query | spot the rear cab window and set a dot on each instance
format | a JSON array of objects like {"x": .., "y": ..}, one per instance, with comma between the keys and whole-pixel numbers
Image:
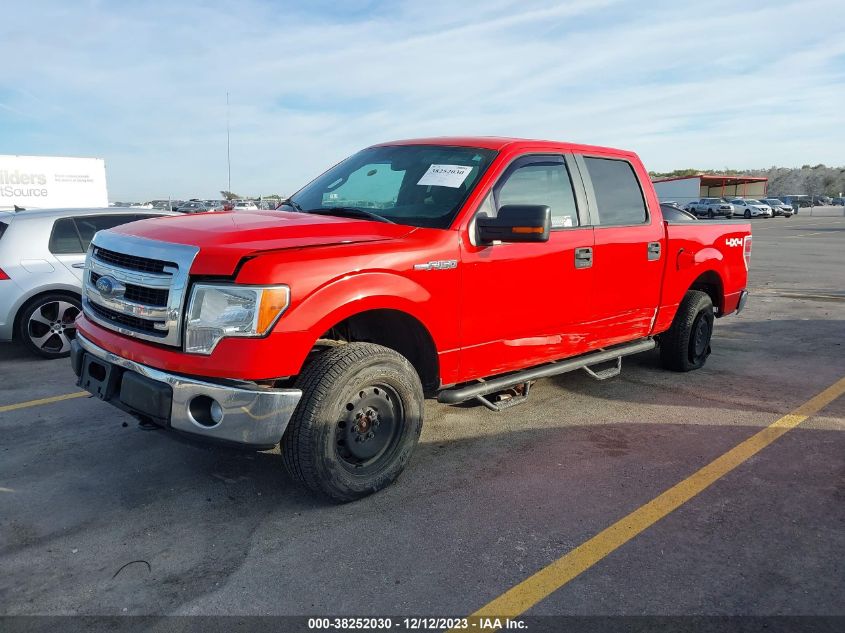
[{"x": 617, "y": 191}]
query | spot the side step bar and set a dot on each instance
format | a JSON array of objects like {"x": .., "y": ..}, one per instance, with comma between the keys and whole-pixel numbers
[{"x": 461, "y": 394}]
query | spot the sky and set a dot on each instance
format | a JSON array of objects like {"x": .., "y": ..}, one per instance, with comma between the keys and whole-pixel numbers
[{"x": 143, "y": 84}]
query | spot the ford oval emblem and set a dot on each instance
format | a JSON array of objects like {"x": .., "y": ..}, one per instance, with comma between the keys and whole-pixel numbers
[{"x": 108, "y": 286}]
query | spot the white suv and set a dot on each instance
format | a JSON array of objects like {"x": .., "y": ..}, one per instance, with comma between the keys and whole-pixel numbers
[
  {"x": 749, "y": 208},
  {"x": 42, "y": 256}
]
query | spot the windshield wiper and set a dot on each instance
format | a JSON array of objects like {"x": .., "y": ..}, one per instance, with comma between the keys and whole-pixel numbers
[
  {"x": 291, "y": 203},
  {"x": 353, "y": 211}
]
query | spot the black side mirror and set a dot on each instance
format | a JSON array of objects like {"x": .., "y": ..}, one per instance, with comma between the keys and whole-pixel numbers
[{"x": 516, "y": 223}]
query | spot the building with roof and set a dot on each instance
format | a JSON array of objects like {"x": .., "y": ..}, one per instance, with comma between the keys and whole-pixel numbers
[{"x": 683, "y": 189}]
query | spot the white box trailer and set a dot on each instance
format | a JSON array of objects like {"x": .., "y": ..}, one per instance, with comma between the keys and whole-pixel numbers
[{"x": 50, "y": 182}]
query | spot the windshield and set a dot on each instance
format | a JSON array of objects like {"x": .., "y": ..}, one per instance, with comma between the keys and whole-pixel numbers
[
  {"x": 753, "y": 201},
  {"x": 419, "y": 185}
]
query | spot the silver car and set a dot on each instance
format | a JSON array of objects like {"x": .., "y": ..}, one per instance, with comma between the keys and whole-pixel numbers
[{"x": 42, "y": 256}]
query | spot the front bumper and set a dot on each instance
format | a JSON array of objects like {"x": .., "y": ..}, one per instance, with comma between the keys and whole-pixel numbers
[{"x": 248, "y": 414}]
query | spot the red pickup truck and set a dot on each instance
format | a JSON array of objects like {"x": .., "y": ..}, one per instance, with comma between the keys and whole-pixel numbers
[{"x": 461, "y": 268}]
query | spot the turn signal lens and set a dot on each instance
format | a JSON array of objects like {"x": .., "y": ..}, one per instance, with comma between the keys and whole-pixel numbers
[
  {"x": 527, "y": 229},
  {"x": 273, "y": 302}
]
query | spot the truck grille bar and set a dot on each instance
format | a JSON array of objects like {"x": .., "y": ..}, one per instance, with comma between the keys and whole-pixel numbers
[{"x": 137, "y": 286}]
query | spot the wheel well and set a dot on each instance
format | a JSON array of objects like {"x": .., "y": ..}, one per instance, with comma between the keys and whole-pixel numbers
[
  {"x": 711, "y": 283},
  {"x": 25, "y": 305},
  {"x": 400, "y": 332}
]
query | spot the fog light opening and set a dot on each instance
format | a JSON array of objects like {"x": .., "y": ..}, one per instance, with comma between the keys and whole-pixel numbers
[{"x": 205, "y": 411}]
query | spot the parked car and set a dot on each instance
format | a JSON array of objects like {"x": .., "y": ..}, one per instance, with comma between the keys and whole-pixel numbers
[
  {"x": 214, "y": 205},
  {"x": 676, "y": 213},
  {"x": 839, "y": 202},
  {"x": 42, "y": 254},
  {"x": 750, "y": 208},
  {"x": 321, "y": 326},
  {"x": 779, "y": 207},
  {"x": 711, "y": 207},
  {"x": 193, "y": 206},
  {"x": 245, "y": 205}
]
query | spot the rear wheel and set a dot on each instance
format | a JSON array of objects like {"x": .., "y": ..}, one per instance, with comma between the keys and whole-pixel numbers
[
  {"x": 686, "y": 345},
  {"x": 47, "y": 324},
  {"x": 358, "y": 421}
]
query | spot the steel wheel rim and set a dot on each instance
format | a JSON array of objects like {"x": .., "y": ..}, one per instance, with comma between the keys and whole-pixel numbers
[
  {"x": 51, "y": 326},
  {"x": 701, "y": 337},
  {"x": 369, "y": 428}
]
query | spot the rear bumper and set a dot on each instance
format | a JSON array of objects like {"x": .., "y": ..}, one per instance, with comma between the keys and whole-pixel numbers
[{"x": 248, "y": 415}]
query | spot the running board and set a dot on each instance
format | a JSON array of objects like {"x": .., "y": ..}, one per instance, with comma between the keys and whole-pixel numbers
[{"x": 480, "y": 389}]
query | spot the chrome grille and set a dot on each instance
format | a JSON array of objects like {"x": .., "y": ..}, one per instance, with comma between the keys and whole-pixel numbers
[
  {"x": 140, "y": 294},
  {"x": 146, "y": 284},
  {"x": 131, "y": 262}
]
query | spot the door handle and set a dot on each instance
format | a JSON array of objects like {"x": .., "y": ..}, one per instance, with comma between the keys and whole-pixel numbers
[
  {"x": 583, "y": 257},
  {"x": 653, "y": 251},
  {"x": 78, "y": 265}
]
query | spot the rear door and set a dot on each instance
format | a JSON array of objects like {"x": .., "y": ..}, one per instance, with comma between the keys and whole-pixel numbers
[
  {"x": 527, "y": 303},
  {"x": 629, "y": 250}
]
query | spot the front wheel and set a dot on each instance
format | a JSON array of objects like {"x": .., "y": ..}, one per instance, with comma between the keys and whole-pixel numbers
[
  {"x": 747, "y": 214},
  {"x": 359, "y": 419},
  {"x": 686, "y": 345},
  {"x": 47, "y": 324},
  {"x": 710, "y": 214}
]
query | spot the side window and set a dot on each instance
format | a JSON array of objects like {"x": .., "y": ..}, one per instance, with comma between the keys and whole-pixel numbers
[
  {"x": 88, "y": 225},
  {"x": 618, "y": 194},
  {"x": 64, "y": 240},
  {"x": 542, "y": 183}
]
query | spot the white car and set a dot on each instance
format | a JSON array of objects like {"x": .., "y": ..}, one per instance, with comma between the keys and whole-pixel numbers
[
  {"x": 42, "y": 257},
  {"x": 750, "y": 208},
  {"x": 245, "y": 206}
]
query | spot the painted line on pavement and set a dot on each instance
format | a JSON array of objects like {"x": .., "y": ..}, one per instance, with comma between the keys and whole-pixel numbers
[
  {"x": 40, "y": 401},
  {"x": 517, "y": 600}
]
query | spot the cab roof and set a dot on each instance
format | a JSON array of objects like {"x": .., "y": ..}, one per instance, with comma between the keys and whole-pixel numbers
[{"x": 500, "y": 143}]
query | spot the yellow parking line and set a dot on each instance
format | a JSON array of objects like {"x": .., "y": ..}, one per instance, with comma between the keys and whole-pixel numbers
[
  {"x": 40, "y": 401},
  {"x": 542, "y": 584}
]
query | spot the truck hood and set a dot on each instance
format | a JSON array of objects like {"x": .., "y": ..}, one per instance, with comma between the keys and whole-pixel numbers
[{"x": 226, "y": 238}]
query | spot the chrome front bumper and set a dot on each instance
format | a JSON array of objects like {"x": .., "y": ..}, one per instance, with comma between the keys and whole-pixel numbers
[{"x": 251, "y": 415}]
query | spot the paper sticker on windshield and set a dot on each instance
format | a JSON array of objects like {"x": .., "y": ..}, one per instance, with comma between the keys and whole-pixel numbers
[
  {"x": 445, "y": 175},
  {"x": 567, "y": 220}
]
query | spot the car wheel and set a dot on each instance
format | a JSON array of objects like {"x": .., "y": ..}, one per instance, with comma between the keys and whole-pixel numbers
[
  {"x": 686, "y": 345},
  {"x": 47, "y": 324},
  {"x": 710, "y": 214},
  {"x": 747, "y": 214},
  {"x": 357, "y": 423}
]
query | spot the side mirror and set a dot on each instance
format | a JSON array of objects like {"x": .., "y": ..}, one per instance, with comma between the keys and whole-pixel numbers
[{"x": 516, "y": 223}]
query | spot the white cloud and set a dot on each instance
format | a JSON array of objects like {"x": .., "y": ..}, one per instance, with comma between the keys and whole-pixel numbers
[{"x": 143, "y": 84}]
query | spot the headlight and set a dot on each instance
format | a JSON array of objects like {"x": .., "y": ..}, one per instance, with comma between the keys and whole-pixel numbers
[{"x": 216, "y": 312}]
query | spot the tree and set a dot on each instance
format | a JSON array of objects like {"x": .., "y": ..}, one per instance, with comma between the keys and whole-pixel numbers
[{"x": 228, "y": 195}]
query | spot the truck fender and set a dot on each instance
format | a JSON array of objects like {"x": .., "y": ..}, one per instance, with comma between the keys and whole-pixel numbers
[
  {"x": 691, "y": 259},
  {"x": 350, "y": 295}
]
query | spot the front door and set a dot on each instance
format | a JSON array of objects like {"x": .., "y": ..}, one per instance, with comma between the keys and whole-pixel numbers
[{"x": 528, "y": 303}]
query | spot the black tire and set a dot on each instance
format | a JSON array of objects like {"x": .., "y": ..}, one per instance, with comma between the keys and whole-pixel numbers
[
  {"x": 46, "y": 324},
  {"x": 686, "y": 345},
  {"x": 334, "y": 443},
  {"x": 710, "y": 214},
  {"x": 747, "y": 214}
]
